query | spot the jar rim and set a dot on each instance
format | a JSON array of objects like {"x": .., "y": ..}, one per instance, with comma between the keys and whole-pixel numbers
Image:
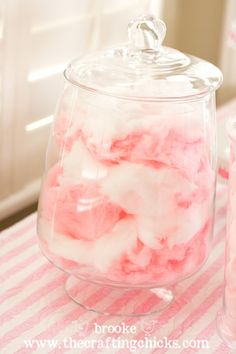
[{"x": 191, "y": 97}]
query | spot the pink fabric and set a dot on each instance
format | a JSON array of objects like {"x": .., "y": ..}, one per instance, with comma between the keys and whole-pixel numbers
[
  {"x": 33, "y": 304},
  {"x": 230, "y": 261}
]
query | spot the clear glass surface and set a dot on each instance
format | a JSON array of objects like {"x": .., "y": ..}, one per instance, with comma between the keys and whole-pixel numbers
[
  {"x": 227, "y": 318},
  {"x": 127, "y": 197},
  {"x": 128, "y": 193},
  {"x": 143, "y": 68}
]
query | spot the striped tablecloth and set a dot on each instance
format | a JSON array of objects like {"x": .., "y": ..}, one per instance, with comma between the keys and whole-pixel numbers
[{"x": 34, "y": 305}]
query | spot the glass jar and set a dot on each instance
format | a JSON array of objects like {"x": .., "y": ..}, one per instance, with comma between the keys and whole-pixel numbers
[
  {"x": 226, "y": 319},
  {"x": 127, "y": 198}
]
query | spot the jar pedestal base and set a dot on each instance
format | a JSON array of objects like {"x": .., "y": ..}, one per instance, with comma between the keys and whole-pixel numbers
[
  {"x": 117, "y": 301},
  {"x": 228, "y": 338}
]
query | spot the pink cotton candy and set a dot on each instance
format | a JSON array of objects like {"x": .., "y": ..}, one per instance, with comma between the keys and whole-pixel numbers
[
  {"x": 155, "y": 142},
  {"x": 79, "y": 211},
  {"x": 99, "y": 253},
  {"x": 174, "y": 150},
  {"x": 52, "y": 176},
  {"x": 137, "y": 263},
  {"x": 158, "y": 144},
  {"x": 65, "y": 132},
  {"x": 130, "y": 202},
  {"x": 163, "y": 265}
]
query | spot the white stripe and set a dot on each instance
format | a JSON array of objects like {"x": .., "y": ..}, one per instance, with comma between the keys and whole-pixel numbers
[
  {"x": 112, "y": 321},
  {"x": 46, "y": 322},
  {"x": 15, "y": 260},
  {"x": 215, "y": 342},
  {"x": 42, "y": 324},
  {"x": 33, "y": 250},
  {"x": 33, "y": 309},
  {"x": 189, "y": 307},
  {"x": 168, "y": 328},
  {"x": 86, "y": 318},
  {"x": 69, "y": 306},
  {"x": 171, "y": 324},
  {"x": 201, "y": 324},
  {"x": 27, "y": 289},
  {"x": 11, "y": 247}
]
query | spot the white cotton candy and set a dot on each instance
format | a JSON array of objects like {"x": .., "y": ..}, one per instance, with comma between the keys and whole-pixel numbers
[
  {"x": 79, "y": 165},
  {"x": 100, "y": 253},
  {"x": 114, "y": 244},
  {"x": 178, "y": 227},
  {"x": 143, "y": 190},
  {"x": 103, "y": 127},
  {"x": 106, "y": 119}
]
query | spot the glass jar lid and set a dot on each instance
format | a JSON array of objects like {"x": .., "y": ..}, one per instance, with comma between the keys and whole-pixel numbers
[{"x": 144, "y": 69}]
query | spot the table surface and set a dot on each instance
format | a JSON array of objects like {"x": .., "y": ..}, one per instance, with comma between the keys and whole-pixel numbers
[{"x": 34, "y": 305}]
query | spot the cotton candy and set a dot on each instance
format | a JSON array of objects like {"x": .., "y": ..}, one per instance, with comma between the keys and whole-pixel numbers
[
  {"x": 130, "y": 199},
  {"x": 100, "y": 253}
]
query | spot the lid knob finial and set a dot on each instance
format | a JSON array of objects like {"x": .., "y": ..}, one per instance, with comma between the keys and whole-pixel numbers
[{"x": 146, "y": 33}]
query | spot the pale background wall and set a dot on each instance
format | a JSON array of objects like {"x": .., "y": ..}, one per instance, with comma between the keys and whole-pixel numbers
[
  {"x": 201, "y": 28},
  {"x": 198, "y": 26}
]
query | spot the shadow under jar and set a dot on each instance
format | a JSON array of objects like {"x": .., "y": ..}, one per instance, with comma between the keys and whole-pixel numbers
[{"x": 127, "y": 199}]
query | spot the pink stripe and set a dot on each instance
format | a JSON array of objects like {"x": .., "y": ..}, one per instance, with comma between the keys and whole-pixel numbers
[
  {"x": 32, "y": 321},
  {"x": 54, "y": 329},
  {"x": 219, "y": 237},
  {"x": 71, "y": 314},
  {"x": 20, "y": 266},
  {"x": 35, "y": 275},
  {"x": 147, "y": 305},
  {"x": 195, "y": 315},
  {"x": 221, "y": 212},
  {"x": 49, "y": 331},
  {"x": 185, "y": 297},
  {"x": 206, "y": 333},
  {"x": 188, "y": 294},
  {"x": 18, "y": 250},
  {"x": 118, "y": 304},
  {"x": 150, "y": 304},
  {"x": 6, "y": 239},
  {"x": 223, "y": 349},
  {"x": 30, "y": 300},
  {"x": 210, "y": 271}
]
